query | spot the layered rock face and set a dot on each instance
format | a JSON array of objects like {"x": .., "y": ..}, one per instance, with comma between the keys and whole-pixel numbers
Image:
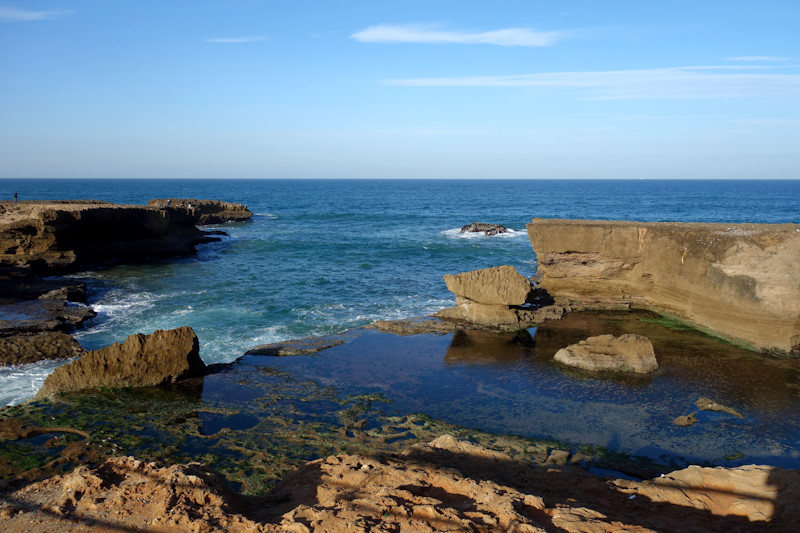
[
  {"x": 205, "y": 211},
  {"x": 52, "y": 236},
  {"x": 607, "y": 353},
  {"x": 164, "y": 356},
  {"x": 739, "y": 280}
]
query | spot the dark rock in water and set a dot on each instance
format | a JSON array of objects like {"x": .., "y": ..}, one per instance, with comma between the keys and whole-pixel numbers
[
  {"x": 486, "y": 229},
  {"x": 306, "y": 346},
  {"x": 164, "y": 356},
  {"x": 205, "y": 212},
  {"x": 25, "y": 349},
  {"x": 33, "y": 316},
  {"x": 21, "y": 284}
]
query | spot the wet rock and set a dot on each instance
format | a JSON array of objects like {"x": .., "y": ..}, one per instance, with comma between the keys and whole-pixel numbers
[
  {"x": 205, "y": 212},
  {"x": 164, "y": 356},
  {"x": 305, "y": 346},
  {"x": 25, "y": 349},
  {"x": 557, "y": 457},
  {"x": 486, "y": 229},
  {"x": 626, "y": 353},
  {"x": 34, "y": 316},
  {"x": 686, "y": 420},
  {"x": 710, "y": 405},
  {"x": 414, "y": 326}
]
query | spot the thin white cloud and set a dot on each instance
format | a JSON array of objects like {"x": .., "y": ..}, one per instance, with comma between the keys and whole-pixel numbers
[
  {"x": 13, "y": 14},
  {"x": 757, "y": 58},
  {"x": 661, "y": 83},
  {"x": 426, "y": 34},
  {"x": 237, "y": 40}
]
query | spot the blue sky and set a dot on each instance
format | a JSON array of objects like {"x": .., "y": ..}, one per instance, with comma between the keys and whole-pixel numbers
[{"x": 399, "y": 89}]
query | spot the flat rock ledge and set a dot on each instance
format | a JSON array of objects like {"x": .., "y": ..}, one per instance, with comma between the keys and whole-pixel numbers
[
  {"x": 205, "y": 212},
  {"x": 499, "y": 297},
  {"x": 740, "y": 281},
  {"x": 444, "y": 485},
  {"x": 164, "y": 356},
  {"x": 607, "y": 353}
]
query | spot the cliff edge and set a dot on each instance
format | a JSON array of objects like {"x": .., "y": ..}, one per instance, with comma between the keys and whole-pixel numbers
[{"x": 738, "y": 280}]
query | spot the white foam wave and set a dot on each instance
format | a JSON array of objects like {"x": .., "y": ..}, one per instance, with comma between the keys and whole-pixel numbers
[
  {"x": 455, "y": 233},
  {"x": 21, "y": 382}
]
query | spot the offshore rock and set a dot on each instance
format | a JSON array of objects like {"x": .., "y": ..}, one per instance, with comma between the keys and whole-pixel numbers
[
  {"x": 739, "y": 280},
  {"x": 164, "y": 356},
  {"x": 486, "y": 229},
  {"x": 607, "y": 353},
  {"x": 205, "y": 212},
  {"x": 64, "y": 235}
]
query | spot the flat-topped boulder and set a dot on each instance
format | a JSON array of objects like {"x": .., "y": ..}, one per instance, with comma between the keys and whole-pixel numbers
[
  {"x": 500, "y": 285},
  {"x": 164, "y": 356},
  {"x": 205, "y": 212},
  {"x": 64, "y": 235},
  {"x": 609, "y": 353},
  {"x": 25, "y": 349},
  {"x": 739, "y": 280}
]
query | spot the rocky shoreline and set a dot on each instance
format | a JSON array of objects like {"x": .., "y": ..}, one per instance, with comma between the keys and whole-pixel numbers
[{"x": 446, "y": 484}]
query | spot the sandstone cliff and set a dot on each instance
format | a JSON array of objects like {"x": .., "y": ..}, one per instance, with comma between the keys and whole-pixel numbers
[
  {"x": 52, "y": 236},
  {"x": 205, "y": 211},
  {"x": 142, "y": 360},
  {"x": 739, "y": 280}
]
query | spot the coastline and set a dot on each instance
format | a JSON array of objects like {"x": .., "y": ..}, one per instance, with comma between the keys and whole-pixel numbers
[{"x": 346, "y": 429}]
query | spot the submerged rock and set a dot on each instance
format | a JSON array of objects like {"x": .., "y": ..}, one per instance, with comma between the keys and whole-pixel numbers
[
  {"x": 686, "y": 420},
  {"x": 626, "y": 353},
  {"x": 164, "y": 356},
  {"x": 486, "y": 229},
  {"x": 710, "y": 405}
]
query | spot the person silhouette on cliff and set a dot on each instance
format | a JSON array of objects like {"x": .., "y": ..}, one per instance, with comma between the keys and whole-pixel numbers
[{"x": 15, "y": 198}]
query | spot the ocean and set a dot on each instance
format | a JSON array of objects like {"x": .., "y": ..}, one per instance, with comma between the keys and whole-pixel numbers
[{"x": 323, "y": 256}]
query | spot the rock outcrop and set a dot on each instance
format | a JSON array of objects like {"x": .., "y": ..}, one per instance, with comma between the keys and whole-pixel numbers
[
  {"x": 486, "y": 229},
  {"x": 56, "y": 236},
  {"x": 25, "y": 349},
  {"x": 607, "y": 353},
  {"x": 739, "y": 280},
  {"x": 205, "y": 212},
  {"x": 498, "y": 297},
  {"x": 164, "y": 356},
  {"x": 444, "y": 485}
]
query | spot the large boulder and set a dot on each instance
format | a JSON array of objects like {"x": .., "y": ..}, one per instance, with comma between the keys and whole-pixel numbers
[
  {"x": 500, "y": 285},
  {"x": 604, "y": 353},
  {"x": 164, "y": 356},
  {"x": 487, "y": 229}
]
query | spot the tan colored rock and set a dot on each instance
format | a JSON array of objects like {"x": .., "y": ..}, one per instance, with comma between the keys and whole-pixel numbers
[
  {"x": 758, "y": 493},
  {"x": 164, "y": 356},
  {"x": 25, "y": 349},
  {"x": 501, "y": 285},
  {"x": 625, "y": 353},
  {"x": 739, "y": 280}
]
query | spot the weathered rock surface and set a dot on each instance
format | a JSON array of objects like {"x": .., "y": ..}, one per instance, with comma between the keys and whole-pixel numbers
[
  {"x": 54, "y": 236},
  {"x": 739, "y": 280},
  {"x": 499, "y": 297},
  {"x": 25, "y": 349},
  {"x": 445, "y": 485},
  {"x": 35, "y": 316},
  {"x": 205, "y": 211},
  {"x": 501, "y": 285},
  {"x": 486, "y": 229},
  {"x": 305, "y": 346},
  {"x": 164, "y": 356},
  {"x": 607, "y": 353}
]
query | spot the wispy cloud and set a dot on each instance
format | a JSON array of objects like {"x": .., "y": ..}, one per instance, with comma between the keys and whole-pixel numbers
[
  {"x": 757, "y": 58},
  {"x": 676, "y": 82},
  {"x": 428, "y": 34},
  {"x": 237, "y": 40},
  {"x": 13, "y": 14}
]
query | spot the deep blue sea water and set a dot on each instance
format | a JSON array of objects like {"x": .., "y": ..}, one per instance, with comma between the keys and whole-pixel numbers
[{"x": 323, "y": 256}]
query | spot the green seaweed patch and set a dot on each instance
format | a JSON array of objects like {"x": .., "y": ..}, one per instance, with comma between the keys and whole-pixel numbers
[{"x": 675, "y": 323}]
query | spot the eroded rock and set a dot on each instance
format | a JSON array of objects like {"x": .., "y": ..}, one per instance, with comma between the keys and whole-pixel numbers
[
  {"x": 25, "y": 349},
  {"x": 604, "y": 353},
  {"x": 164, "y": 356},
  {"x": 500, "y": 285},
  {"x": 739, "y": 280},
  {"x": 487, "y": 229},
  {"x": 205, "y": 212}
]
